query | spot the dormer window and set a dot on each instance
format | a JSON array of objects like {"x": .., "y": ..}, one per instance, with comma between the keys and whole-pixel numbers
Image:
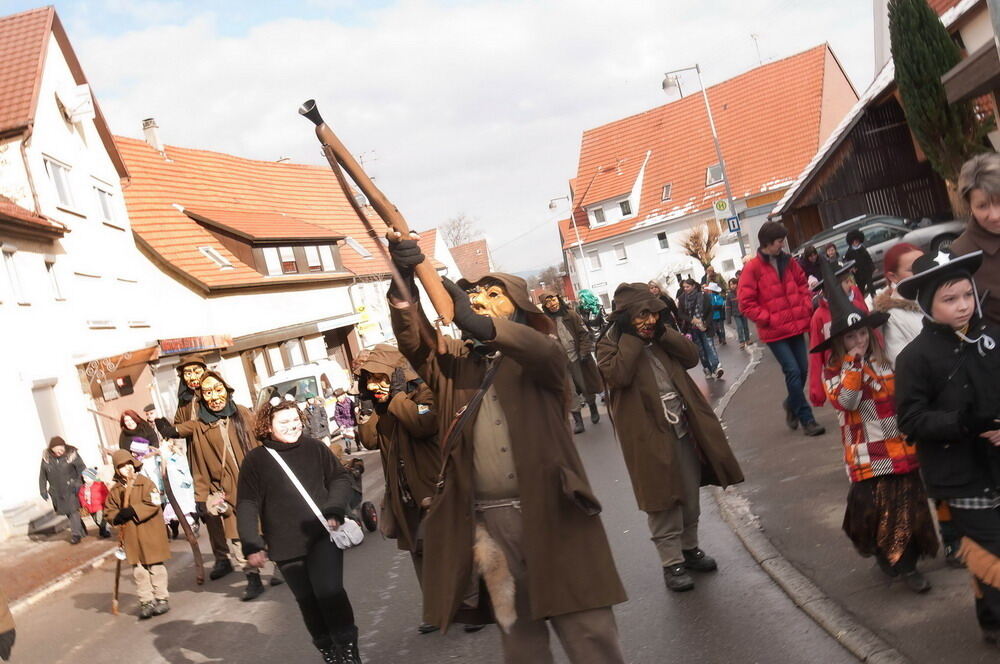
[
  {"x": 598, "y": 215},
  {"x": 626, "y": 207},
  {"x": 667, "y": 191},
  {"x": 713, "y": 175}
]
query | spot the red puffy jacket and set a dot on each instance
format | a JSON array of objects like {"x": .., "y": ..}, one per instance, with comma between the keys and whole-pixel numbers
[
  {"x": 781, "y": 306},
  {"x": 93, "y": 500}
]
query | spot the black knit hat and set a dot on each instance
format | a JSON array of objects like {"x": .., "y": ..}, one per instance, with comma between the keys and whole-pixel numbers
[
  {"x": 929, "y": 272},
  {"x": 844, "y": 316}
]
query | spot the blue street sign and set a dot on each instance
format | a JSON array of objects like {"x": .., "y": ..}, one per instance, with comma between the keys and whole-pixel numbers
[{"x": 734, "y": 224}]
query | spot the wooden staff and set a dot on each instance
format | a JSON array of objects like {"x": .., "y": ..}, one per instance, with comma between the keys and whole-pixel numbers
[
  {"x": 126, "y": 500},
  {"x": 199, "y": 561},
  {"x": 339, "y": 156}
]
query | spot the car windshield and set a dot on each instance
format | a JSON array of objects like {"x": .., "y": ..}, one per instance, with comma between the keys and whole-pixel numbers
[
  {"x": 838, "y": 236},
  {"x": 298, "y": 388}
]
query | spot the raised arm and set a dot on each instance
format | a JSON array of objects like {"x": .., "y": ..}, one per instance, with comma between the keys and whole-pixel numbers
[
  {"x": 618, "y": 357},
  {"x": 539, "y": 355},
  {"x": 845, "y": 388},
  {"x": 407, "y": 409},
  {"x": 679, "y": 347}
]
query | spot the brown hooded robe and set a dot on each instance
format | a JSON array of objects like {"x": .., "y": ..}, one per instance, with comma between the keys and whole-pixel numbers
[
  {"x": 584, "y": 345},
  {"x": 144, "y": 536}
]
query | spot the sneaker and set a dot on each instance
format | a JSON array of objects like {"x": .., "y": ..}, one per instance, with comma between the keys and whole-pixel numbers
[
  {"x": 718, "y": 373},
  {"x": 677, "y": 578},
  {"x": 220, "y": 569},
  {"x": 145, "y": 610},
  {"x": 161, "y": 607},
  {"x": 791, "y": 419},
  {"x": 696, "y": 560},
  {"x": 813, "y": 429}
]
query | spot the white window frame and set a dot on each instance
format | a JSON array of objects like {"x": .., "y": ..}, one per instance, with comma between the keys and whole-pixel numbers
[
  {"x": 50, "y": 267},
  {"x": 667, "y": 192},
  {"x": 594, "y": 260},
  {"x": 213, "y": 254},
  {"x": 709, "y": 182},
  {"x": 59, "y": 176},
  {"x": 326, "y": 257},
  {"x": 664, "y": 242},
  {"x": 313, "y": 259},
  {"x": 272, "y": 262},
  {"x": 621, "y": 253},
  {"x": 626, "y": 207},
  {"x": 283, "y": 253},
  {"x": 105, "y": 204},
  {"x": 598, "y": 214},
  {"x": 13, "y": 278}
]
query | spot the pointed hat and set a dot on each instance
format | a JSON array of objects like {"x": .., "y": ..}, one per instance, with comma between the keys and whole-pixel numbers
[{"x": 844, "y": 316}]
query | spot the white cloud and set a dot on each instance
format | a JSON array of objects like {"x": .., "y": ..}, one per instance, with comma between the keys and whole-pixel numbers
[{"x": 474, "y": 108}]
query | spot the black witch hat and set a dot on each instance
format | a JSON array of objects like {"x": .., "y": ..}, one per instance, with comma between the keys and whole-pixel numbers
[{"x": 844, "y": 316}]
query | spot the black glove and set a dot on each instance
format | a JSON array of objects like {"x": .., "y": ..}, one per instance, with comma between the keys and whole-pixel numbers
[
  {"x": 201, "y": 509},
  {"x": 476, "y": 326},
  {"x": 397, "y": 383},
  {"x": 406, "y": 256},
  {"x": 124, "y": 516},
  {"x": 6, "y": 644}
]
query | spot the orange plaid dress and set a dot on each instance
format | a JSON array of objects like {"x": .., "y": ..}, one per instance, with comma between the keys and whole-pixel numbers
[{"x": 862, "y": 393}]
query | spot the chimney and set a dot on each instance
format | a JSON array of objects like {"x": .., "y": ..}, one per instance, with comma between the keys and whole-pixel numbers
[{"x": 150, "y": 130}]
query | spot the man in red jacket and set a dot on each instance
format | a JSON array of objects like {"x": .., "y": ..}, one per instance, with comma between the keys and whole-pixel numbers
[{"x": 773, "y": 294}]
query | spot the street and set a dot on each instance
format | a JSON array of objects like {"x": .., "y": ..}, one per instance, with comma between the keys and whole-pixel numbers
[{"x": 737, "y": 614}]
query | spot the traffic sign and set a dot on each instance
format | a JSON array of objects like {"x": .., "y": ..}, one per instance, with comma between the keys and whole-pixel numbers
[
  {"x": 734, "y": 224},
  {"x": 721, "y": 209}
]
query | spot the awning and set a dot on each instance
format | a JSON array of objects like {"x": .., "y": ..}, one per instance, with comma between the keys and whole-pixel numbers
[
  {"x": 975, "y": 76},
  {"x": 280, "y": 334}
]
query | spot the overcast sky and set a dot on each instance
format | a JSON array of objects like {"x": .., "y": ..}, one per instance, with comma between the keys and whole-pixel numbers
[{"x": 455, "y": 106}]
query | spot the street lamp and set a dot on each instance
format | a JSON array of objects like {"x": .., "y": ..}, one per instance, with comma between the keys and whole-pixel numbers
[
  {"x": 576, "y": 231},
  {"x": 670, "y": 81}
]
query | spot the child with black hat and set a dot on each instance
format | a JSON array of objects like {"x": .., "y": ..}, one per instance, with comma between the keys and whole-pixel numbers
[
  {"x": 887, "y": 515},
  {"x": 948, "y": 401}
]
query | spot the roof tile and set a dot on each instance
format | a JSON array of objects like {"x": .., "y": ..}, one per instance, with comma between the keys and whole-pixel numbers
[{"x": 22, "y": 48}]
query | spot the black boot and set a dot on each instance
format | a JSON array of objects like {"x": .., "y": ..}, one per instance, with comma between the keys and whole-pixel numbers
[
  {"x": 577, "y": 422},
  {"x": 427, "y": 628},
  {"x": 695, "y": 559},
  {"x": 254, "y": 587},
  {"x": 677, "y": 578},
  {"x": 220, "y": 569},
  {"x": 349, "y": 651},
  {"x": 104, "y": 532},
  {"x": 791, "y": 419},
  {"x": 175, "y": 526},
  {"x": 595, "y": 417}
]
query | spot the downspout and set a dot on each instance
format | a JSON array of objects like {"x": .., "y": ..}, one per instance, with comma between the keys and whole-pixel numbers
[{"x": 27, "y": 168}]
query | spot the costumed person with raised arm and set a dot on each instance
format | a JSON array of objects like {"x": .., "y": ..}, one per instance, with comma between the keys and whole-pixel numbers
[
  {"x": 218, "y": 440},
  {"x": 672, "y": 441},
  {"x": 579, "y": 347},
  {"x": 948, "y": 399},
  {"x": 402, "y": 426},
  {"x": 887, "y": 513},
  {"x": 513, "y": 508}
]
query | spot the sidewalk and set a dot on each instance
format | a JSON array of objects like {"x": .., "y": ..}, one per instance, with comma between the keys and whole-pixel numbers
[
  {"x": 797, "y": 487},
  {"x": 31, "y": 564}
]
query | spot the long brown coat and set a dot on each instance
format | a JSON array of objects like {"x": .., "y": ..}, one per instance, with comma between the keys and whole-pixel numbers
[
  {"x": 145, "y": 536},
  {"x": 987, "y": 277},
  {"x": 645, "y": 435},
  {"x": 406, "y": 439},
  {"x": 569, "y": 562},
  {"x": 584, "y": 348}
]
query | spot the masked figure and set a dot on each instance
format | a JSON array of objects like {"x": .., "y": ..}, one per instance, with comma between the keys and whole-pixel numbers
[
  {"x": 218, "y": 439},
  {"x": 578, "y": 345},
  {"x": 399, "y": 421},
  {"x": 513, "y": 509},
  {"x": 190, "y": 370}
]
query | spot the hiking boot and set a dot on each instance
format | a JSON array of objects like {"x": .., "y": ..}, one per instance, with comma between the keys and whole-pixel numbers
[
  {"x": 791, "y": 419},
  {"x": 349, "y": 652},
  {"x": 427, "y": 628},
  {"x": 254, "y": 587},
  {"x": 145, "y": 610},
  {"x": 577, "y": 422},
  {"x": 220, "y": 569},
  {"x": 104, "y": 532},
  {"x": 161, "y": 607},
  {"x": 696, "y": 560},
  {"x": 595, "y": 417},
  {"x": 916, "y": 582},
  {"x": 813, "y": 429},
  {"x": 677, "y": 578},
  {"x": 331, "y": 655}
]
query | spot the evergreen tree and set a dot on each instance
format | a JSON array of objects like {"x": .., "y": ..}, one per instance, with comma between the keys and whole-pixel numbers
[{"x": 923, "y": 51}]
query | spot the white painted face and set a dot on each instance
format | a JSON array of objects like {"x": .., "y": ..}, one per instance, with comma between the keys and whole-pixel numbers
[{"x": 286, "y": 425}]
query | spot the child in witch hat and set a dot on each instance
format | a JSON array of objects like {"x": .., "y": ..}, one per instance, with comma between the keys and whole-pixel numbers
[
  {"x": 887, "y": 514},
  {"x": 949, "y": 401},
  {"x": 134, "y": 505}
]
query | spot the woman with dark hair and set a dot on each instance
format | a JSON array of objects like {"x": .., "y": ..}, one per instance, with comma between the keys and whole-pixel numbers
[
  {"x": 59, "y": 478},
  {"x": 831, "y": 254},
  {"x": 135, "y": 426},
  {"x": 810, "y": 262},
  {"x": 276, "y": 522},
  {"x": 696, "y": 320}
]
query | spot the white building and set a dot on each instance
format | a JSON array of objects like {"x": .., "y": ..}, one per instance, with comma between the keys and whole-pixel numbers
[{"x": 644, "y": 182}]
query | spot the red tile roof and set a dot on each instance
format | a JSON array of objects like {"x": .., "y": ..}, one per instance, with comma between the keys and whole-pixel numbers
[
  {"x": 768, "y": 120},
  {"x": 262, "y": 225},
  {"x": 12, "y": 213},
  {"x": 941, "y": 6},
  {"x": 232, "y": 187},
  {"x": 472, "y": 259}
]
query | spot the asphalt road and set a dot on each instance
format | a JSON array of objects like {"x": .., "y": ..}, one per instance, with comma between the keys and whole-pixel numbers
[{"x": 734, "y": 615}]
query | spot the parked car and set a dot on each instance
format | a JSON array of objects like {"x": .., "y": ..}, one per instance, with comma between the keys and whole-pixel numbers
[{"x": 882, "y": 232}]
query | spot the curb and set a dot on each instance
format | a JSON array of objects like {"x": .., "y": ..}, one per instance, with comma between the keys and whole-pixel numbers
[
  {"x": 737, "y": 512},
  {"x": 59, "y": 582}
]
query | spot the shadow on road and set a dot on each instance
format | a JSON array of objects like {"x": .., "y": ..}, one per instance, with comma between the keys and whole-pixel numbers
[{"x": 173, "y": 638}]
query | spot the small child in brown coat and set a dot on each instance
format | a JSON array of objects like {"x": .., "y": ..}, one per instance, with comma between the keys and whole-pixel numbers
[{"x": 134, "y": 505}]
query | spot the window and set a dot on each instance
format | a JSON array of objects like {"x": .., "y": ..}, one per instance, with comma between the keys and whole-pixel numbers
[
  {"x": 12, "y": 276},
  {"x": 713, "y": 175},
  {"x": 667, "y": 189},
  {"x": 326, "y": 256},
  {"x": 620, "y": 252},
  {"x": 212, "y": 254},
  {"x": 104, "y": 204},
  {"x": 605, "y": 300},
  {"x": 271, "y": 261},
  {"x": 626, "y": 208},
  {"x": 358, "y": 247},
  {"x": 288, "y": 264},
  {"x": 59, "y": 175},
  {"x": 598, "y": 215},
  {"x": 313, "y": 261},
  {"x": 662, "y": 239},
  {"x": 50, "y": 267},
  {"x": 595, "y": 260}
]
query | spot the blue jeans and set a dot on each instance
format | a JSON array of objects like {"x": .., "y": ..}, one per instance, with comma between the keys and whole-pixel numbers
[
  {"x": 742, "y": 328},
  {"x": 706, "y": 348},
  {"x": 791, "y": 355}
]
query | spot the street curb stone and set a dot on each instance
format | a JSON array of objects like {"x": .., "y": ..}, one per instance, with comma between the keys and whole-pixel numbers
[
  {"x": 59, "y": 582},
  {"x": 737, "y": 512}
]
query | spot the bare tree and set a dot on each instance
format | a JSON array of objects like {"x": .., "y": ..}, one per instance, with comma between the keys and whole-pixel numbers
[
  {"x": 460, "y": 229},
  {"x": 700, "y": 243},
  {"x": 550, "y": 279}
]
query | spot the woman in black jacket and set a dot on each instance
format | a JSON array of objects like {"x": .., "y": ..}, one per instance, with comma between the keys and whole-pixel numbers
[
  {"x": 59, "y": 478},
  {"x": 135, "y": 426},
  {"x": 948, "y": 403},
  {"x": 289, "y": 531}
]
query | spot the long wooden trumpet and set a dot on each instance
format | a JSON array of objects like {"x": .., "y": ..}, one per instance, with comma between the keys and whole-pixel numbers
[{"x": 339, "y": 157}]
